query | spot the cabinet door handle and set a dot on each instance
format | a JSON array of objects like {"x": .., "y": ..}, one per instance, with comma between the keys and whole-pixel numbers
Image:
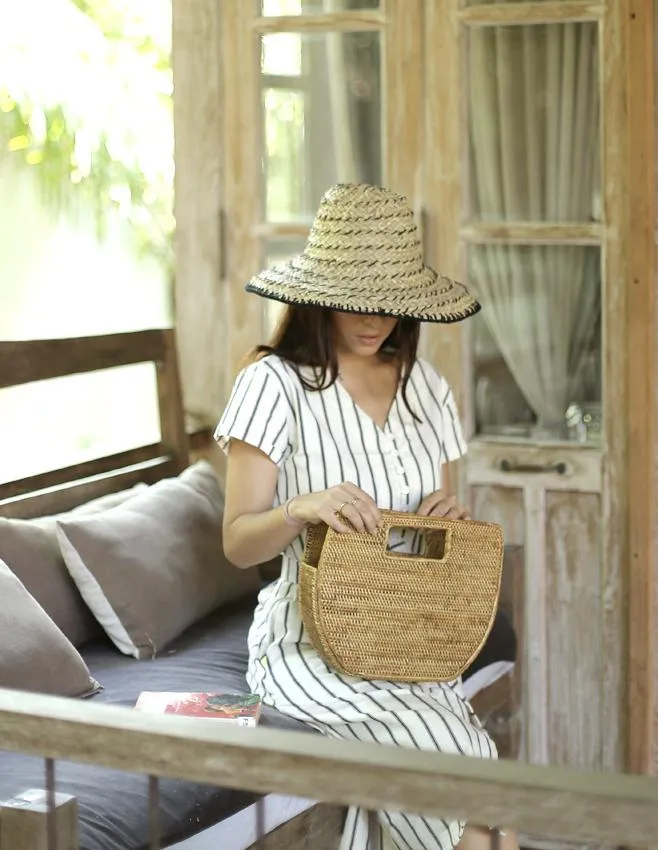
[{"x": 533, "y": 468}]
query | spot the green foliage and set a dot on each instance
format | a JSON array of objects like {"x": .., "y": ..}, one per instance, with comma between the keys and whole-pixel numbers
[{"x": 81, "y": 163}]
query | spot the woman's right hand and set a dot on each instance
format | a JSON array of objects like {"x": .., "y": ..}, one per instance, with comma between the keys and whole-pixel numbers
[{"x": 334, "y": 506}]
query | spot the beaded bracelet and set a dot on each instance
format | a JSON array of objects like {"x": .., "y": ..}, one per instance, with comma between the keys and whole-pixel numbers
[{"x": 294, "y": 523}]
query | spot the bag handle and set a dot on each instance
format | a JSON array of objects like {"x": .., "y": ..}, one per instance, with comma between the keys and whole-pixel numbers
[{"x": 399, "y": 519}]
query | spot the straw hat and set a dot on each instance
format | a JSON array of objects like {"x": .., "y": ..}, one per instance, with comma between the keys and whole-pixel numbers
[{"x": 363, "y": 255}]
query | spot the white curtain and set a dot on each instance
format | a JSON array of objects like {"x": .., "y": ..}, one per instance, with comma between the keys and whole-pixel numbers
[{"x": 534, "y": 107}]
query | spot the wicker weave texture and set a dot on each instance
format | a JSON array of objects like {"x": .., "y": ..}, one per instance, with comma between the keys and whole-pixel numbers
[
  {"x": 376, "y": 614},
  {"x": 364, "y": 255}
]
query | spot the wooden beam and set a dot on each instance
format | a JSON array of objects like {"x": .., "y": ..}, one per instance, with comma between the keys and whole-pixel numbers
[
  {"x": 173, "y": 434},
  {"x": 517, "y": 14},
  {"x": 402, "y": 99},
  {"x": 350, "y": 21},
  {"x": 284, "y": 230},
  {"x": 532, "y": 233},
  {"x": 605, "y": 808},
  {"x": 641, "y": 380},
  {"x": 78, "y": 471},
  {"x": 57, "y": 499},
  {"x": 243, "y": 184},
  {"x": 25, "y": 361},
  {"x": 615, "y": 342},
  {"x": 445, "y": 166},
  {"x": 199, "y": 252}
]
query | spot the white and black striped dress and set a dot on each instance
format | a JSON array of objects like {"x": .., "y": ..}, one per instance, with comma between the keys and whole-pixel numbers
[{"x": 318, "y": 440}]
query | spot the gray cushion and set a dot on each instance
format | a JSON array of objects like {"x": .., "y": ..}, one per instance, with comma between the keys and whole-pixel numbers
[
  {"x": 31, "y": 551},
  {"x": 153, "y": 566},
  {"x": 113, "y": 805},
  {"x": 34, "y": 654}
]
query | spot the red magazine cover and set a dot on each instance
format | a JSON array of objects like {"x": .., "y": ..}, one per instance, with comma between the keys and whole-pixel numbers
[{"x": 239, "y": 709}]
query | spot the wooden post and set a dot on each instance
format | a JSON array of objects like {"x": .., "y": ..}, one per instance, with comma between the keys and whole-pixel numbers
[
  {"x": 640, "y": 378},
  {"x": 24, "y": 821}
]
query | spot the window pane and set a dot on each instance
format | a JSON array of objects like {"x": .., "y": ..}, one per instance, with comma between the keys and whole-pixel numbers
[
  {"x": 313, "y": 7},
  {"x": 278, "y": 251},
  {"x": 282, "y": 56},
  {"x": 323, "y": 127},
  {"x": 56, "y": 423},
  {"x": 534, "y": 123},
  {"x": 285, "y": 154},
  {"x": 537, "y": 341}
]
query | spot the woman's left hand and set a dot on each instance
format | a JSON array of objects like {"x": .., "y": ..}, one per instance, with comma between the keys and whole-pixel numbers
[{"x": 441, "y": 504}]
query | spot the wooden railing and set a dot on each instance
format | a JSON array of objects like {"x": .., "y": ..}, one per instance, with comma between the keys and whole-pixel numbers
[{"x": 558, "y": 803}]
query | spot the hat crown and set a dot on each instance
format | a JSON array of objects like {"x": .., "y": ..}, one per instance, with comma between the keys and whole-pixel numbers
[
  {"x": 364, "y": 255},
  {"x": 368, "y": 233}
]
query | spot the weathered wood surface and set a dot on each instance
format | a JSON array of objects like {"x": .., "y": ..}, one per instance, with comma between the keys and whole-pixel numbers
[
  {"x": 58, "y": 499},
  {"x": 641, "y": 379},
  {"x": 25, "y": 361},
  {"x": 558, "y": 11},
  {"x": 318, "y": 828},
  {"x": 532, "y": 232},
  {"x": 199, "y": 252},
  {"x": 608, "y": 808},
  {"x": 24, "y": 821},
  {"x": 347, "y": 21},
  {"x": 572, "y": 644},
  {"x": 615, "y": 565}
]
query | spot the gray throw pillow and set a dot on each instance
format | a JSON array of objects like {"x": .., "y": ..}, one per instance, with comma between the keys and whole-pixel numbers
[
  {"x": 155, "y": 565},
  {"x": 30, "y": 549},
  {"x": 34, "y": 654}
]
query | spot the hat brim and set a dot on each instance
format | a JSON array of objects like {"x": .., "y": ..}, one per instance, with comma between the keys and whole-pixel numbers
[{"x": 428, "y": 297}]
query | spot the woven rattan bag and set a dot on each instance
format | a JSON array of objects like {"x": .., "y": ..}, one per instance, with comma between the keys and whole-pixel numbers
[{"x": 377, "y": 614}]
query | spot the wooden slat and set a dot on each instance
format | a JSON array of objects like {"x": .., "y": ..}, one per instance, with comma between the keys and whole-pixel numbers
[
  {"x": 611, "y": 809},
  {"x": 283, "y": 230},
  {"x": 573, "y": 629},
  {"x": 68, "y": 496},
  {"x": 79, "y": 471},
  {"x": 532, "y": 233},
  {"x": 445, "y": 167},
  {"x": 25, "y": 361},
  {"x": 515, "y": 14},
  {"x": 641, "y": 379},
  {"x": 243, "y": 184},
  {"x": 350, "y": 21},
  {"x": 614, "y": 492},
  {"x": 199, "y": 252},
  {"x": 173, "y": 434},
  {"x": 402, "y": 99}
]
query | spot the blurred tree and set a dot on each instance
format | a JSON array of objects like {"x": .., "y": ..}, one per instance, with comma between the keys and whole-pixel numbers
[{"x": 86, "y": 107}]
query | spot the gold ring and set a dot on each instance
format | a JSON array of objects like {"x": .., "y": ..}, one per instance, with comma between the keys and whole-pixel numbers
[
  {"x": 354, "y": 500},
  {"x": 340, "y": 509}
]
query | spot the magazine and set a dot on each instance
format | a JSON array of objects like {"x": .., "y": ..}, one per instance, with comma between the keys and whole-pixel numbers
[{"x": 238, "y": 709}]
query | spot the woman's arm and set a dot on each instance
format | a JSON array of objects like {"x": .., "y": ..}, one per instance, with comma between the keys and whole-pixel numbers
[{"x": 254, "y": 532}]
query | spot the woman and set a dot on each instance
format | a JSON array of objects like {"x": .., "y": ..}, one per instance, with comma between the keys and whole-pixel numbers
[{"x": 333, "y": 421}]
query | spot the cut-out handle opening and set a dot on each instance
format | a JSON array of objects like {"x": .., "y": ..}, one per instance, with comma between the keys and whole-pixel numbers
[{"x": 403, "y": 541}]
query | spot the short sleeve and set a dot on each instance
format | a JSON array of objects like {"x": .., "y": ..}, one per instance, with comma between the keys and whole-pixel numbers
[
  {"x": 454, "y": 442},
  {"x": 258, "y": 412}
]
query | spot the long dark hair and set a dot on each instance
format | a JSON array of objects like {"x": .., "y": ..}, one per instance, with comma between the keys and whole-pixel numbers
[{"x": 304, "y": 337}]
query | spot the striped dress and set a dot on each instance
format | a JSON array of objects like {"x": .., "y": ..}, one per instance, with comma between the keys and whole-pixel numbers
[{"x": 318, "y": 440}]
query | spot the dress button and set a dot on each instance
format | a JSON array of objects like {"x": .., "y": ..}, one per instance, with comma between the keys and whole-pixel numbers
[{"x": 404, "y": 490}]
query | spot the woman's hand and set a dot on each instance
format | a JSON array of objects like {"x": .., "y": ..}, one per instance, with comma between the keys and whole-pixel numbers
[
  {"x": 334, "y": 506},
  {"x": 440, "y": 504}
]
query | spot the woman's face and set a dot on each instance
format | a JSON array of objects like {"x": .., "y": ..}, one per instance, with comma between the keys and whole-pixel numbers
[{"x": 359, "y": 334}]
